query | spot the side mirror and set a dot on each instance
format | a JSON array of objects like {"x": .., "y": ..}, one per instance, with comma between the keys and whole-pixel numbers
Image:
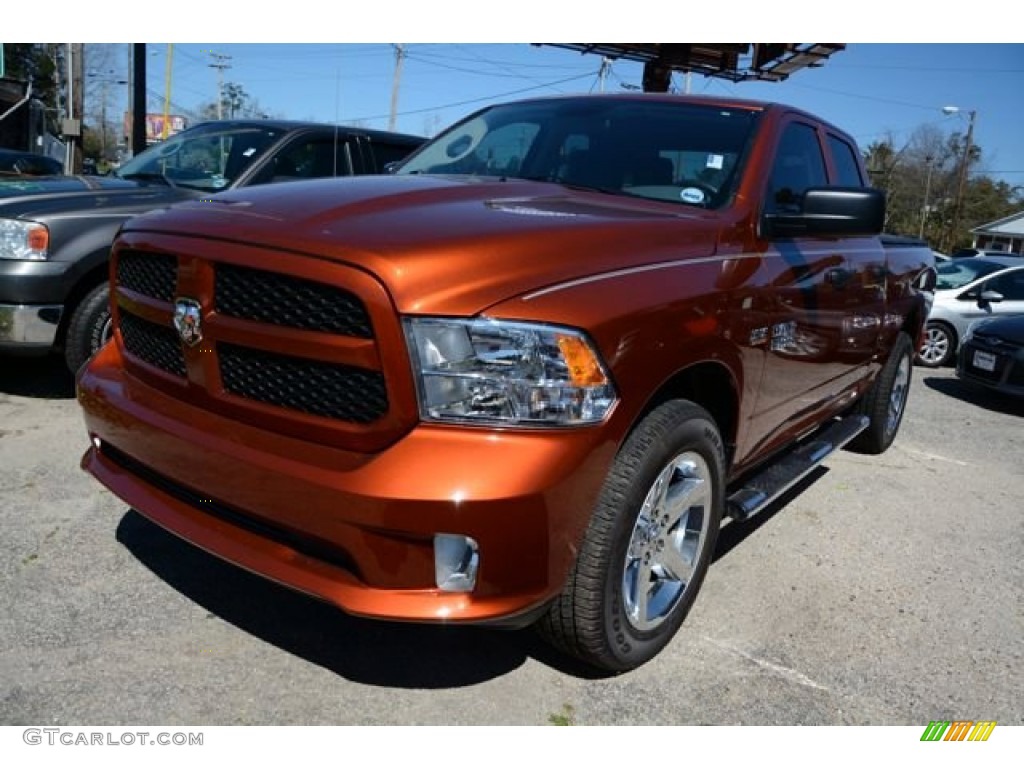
[
  {"x": 989, "y": 297},
  {"x": 830, "y": 212}
]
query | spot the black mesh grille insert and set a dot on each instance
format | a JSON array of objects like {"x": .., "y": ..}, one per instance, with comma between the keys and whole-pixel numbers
[
  {"x": 269, "y": 297},
  {"x": 322, "y": 389},
  {"x": 155, "y": 344},
  {"x": 151, "y": 274}
]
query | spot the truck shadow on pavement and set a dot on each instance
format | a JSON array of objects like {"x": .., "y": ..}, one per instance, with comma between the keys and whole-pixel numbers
[
  {"x": 362, "y": 650},
  {"x": 735, "y": 532},
  {"x": 988, "y": 399},
  {"x": 40, "y": 377},
  {"x": 370, "y": 652}
]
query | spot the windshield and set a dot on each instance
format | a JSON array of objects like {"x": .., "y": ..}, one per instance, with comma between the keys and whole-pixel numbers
[
  {"x": 960, "y": 272},
  {"x": 208, "y": 157},
  {"x": 681, "y": 153}
]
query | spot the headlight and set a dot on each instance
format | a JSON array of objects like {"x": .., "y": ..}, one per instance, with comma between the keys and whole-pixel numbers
[
  {"x": 23, "y": 240},
  {"x": 499, "y": 372}
]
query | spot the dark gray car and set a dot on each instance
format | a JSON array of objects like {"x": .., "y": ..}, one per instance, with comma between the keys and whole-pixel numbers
[{"x": 55, "y": 233}]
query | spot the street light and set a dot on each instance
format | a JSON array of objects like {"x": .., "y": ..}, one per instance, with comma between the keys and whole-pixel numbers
[{"x": 951, "y": 110}]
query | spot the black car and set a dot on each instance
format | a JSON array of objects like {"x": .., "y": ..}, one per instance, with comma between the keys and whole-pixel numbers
[
  {"x": 992, "y": 354},
  {"x": 17, "y": 163}
]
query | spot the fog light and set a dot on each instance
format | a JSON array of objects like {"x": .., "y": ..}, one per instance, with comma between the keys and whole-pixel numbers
[{"x": 456, "y": 560}]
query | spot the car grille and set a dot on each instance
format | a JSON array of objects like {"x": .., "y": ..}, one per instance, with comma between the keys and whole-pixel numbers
[
  {"x": 155, "y": 344},
  {"x": 268, "y": 297},
  {"x": 310, "y": 386},
  {"x": 251, "y": 369},
  {"x": 151, "y": 274}
]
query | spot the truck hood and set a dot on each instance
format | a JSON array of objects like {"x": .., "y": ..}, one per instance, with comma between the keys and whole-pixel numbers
[{"x": 450, "y": 245}]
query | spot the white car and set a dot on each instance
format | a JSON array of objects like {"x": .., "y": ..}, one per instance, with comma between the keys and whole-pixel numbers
[{"x": 968, "y": 290}]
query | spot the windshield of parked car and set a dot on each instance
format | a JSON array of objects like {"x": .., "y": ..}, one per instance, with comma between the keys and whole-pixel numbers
[
  {"x": 959, "y": 272},
  {"x": 674, "y": 152},
  {"x": 208, "y": 157}
]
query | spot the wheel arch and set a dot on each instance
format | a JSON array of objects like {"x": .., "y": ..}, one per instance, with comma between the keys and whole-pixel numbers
[
  {"x": 96, "y": 275},
  {"x": 709, "y": 384}
]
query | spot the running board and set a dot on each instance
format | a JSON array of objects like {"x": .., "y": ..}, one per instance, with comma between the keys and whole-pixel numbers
[{"x": 782, "y": 474}]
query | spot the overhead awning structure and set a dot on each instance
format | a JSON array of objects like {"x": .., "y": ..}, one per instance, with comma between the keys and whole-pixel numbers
[{"x": 737, "y": 62}]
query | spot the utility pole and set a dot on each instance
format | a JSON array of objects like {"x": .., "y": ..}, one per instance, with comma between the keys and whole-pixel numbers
[
  {"x": 167, "y": 87},
  {"x": 927, "y": 191},
  {"x": 399, "y": 58},
  {"x": 73, "y": 124},
  {"x": 221, "y": 61},
  {"x": 963, "y": 178},
  {"x": 138, "y": 97},
  {"x": 602, "y": 74}
]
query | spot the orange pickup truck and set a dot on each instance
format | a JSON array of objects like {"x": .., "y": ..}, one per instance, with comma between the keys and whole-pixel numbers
[{"x": 522, "y": 379}]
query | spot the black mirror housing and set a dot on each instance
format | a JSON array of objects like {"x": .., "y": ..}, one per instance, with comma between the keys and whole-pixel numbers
[{"x": 830, "y": 212}]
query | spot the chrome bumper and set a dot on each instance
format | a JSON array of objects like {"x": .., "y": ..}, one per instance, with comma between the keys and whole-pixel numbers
[{"x": 26, "y": 325}]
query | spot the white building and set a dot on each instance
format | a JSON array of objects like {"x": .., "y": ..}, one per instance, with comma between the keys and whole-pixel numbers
[{"x": 1006, "y": 234}]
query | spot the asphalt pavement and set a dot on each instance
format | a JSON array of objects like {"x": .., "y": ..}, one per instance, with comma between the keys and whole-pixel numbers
[{"x": 882, "y": 590}]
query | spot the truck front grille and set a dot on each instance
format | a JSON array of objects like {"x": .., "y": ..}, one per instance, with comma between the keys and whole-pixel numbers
[
  {"x": 155, "y": 344},
  {"x": 270, "y": 297},
  {"x": 151, "y": 274},
  {"x": 299, "y": 356},
  {"x": 310, "y": 386}
]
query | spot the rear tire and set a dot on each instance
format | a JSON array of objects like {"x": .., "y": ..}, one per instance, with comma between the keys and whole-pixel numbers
[
  {"x": 886, "y": 401},
  {"x": 89, "y": 329},
  {"x": 648, "y": 545}
]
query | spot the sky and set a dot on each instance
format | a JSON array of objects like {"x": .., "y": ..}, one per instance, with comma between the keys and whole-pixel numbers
[{"x": 871, "y": 90}]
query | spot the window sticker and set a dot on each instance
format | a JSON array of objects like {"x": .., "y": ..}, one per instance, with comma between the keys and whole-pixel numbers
[
  {"x": 715, "y": 161},
  {"x": 692, "y": 195}
]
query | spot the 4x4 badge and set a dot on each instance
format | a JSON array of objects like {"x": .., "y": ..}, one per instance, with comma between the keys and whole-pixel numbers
[{"x": 188, "y": 321}]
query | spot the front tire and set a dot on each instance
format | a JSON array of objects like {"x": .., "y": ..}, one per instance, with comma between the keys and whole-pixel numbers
[
  {"x": 938, "y": 347},
  {"x": 886, "y": 400},
  {"x": 649, "y": 543},
  {"x": 89, "y": 329}
]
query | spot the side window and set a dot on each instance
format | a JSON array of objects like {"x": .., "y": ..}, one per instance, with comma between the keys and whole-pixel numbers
[
  {"x": 1009, "y": 284},
  {"x": 310, "y": 158},
  {"x": 384, "y": 153},
  {"x": 845, "y": 161},
  {"x": 799, "y": 165}
]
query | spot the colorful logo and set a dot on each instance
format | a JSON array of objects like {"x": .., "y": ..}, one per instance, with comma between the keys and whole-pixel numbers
[{"x": 958, "y": 730}]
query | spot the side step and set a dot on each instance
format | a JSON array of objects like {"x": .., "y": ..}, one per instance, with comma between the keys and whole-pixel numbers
[{"x": 771, "y": 482}]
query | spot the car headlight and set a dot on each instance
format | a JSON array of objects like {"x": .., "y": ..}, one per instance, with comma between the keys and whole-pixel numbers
[
  {"x": 23, "y": 240},
  {"x": 499, "y": 372}
]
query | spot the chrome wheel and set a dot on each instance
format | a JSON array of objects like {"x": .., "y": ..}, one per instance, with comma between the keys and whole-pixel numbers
[
  {"x": 898, "y": 396},
  {"x": 937, "y": 346},
  {"x": 668, "y": 538}
]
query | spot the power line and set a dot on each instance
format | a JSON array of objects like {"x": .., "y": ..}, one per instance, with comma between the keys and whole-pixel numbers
[{"x": 477, "y": 101}]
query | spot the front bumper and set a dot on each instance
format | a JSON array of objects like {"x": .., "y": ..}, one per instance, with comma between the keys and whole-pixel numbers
[
  {"x": 28, "y": 327},
  {"x": 998, "y": 366},
  {"x": 353, "y": 529}
]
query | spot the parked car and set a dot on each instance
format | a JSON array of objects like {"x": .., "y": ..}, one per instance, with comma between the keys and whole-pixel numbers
[
  {"x": 17, "y": 163},
  {"x": 523, "y": 378},
  {"x": 55, "y": 234},
  {"x": 967, "y": 290},
  {"x": 993, "y": 355},
  {"x": 967, "y": 253}
]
